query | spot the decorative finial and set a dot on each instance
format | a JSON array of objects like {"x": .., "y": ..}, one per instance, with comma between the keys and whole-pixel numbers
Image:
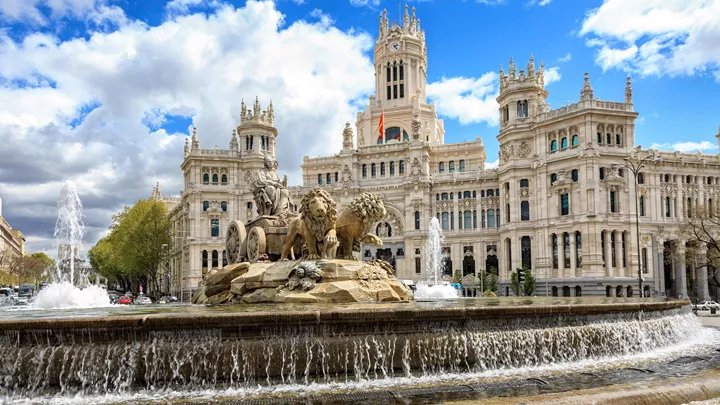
[{"x": 587, "y": 92}]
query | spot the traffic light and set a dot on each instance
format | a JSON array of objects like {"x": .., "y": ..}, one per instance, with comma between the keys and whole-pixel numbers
[{"x": 521, "y": 275}]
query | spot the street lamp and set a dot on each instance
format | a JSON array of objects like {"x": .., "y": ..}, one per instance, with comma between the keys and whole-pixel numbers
[{"x": 635, "y": 165}]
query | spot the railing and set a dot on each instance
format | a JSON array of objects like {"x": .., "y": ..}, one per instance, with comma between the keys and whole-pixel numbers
[{"x": 583, "y": 105}]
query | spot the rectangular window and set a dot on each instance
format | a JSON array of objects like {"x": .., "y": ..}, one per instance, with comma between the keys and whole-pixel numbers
[
  {"x": 319, "y": 178},
  {"x": 336, "y": 177},
  {"x": 642, "y": 206},
  {"x": 451, "y": 166},
  {"x": 395, "y": 94},
  {"x": 564, "y": 204},
  {"x": 644, "y": 260},
  {"x": 613, "y": 205},
  {"x": 445, "y": 221},
  {"x": 329, "y": 178},
  {"x": 402, "y": 90},
  {"x": 566, "y": 250},
  {"x": 417, "y": 265},
  {"x": 467, "y": 220},
  {"x": 394, "y": 73},
  {"x": 389, "y": 92},
  {"x": 667, "y": 207},
  {"x": 215, "y": 227},
  {"x": 364, "y": 171},
  {"x": 462, "y": 166},
  {"x": 525, "y": 211},
  {"x": 402, "y": 167},
  {"x": 392, "y": 168}
]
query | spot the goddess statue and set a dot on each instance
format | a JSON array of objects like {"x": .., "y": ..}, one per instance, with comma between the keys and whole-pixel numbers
[{"x": 271, "y": 195}]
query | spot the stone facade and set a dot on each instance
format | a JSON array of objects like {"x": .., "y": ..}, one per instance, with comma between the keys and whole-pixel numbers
[
  {"x": 11, "y": 240},
  {"x": 561, "y": 202}
]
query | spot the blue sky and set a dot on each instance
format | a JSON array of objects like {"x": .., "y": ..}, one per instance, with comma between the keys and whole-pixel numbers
[{"x": 106, "y": 91}]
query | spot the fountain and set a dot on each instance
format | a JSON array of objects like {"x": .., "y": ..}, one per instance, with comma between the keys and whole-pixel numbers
[
  {"x": 431, "y": 288},
  {"x": 328, "y": 325},
  {"x": 71, "y": 272}
]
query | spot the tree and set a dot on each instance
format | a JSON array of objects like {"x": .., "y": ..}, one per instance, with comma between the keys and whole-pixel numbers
[
  {"x": 457, "y": 277},
  {"x": 136, "y": 248},
  {"x": 17, "y": 269},
  {"x": 515, "y": 283},
  {"x": 488, "y": 281},
  {"x": 702, "y": 232},
  {"x": 529, "y": 284}
]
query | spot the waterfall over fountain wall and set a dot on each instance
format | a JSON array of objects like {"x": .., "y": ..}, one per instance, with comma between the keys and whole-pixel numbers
[
  {"x": 72, "y": 361},
  {"x": 432, "y": 288}
]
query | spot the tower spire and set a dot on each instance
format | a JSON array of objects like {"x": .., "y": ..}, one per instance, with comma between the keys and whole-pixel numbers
[
  {"x": 587, "y": 92},
  {"x": 628, "y": 91}
]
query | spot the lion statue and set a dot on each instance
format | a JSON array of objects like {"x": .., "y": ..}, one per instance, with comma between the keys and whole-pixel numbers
[
  {"x": 355, "y": 223},
  {"x": 316, "y": 225}
]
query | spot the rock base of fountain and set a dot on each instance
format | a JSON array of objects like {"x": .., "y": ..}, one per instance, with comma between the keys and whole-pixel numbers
[{"x": 302, "y": 281}]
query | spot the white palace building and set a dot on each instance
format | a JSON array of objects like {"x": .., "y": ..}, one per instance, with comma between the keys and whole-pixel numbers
[{"x": 561, "y": 202}]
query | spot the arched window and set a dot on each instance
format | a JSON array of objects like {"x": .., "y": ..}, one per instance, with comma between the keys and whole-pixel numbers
[
  {"x": 462, "y": 165},
  {"x": 214, "y": 227},
  {"x": 382, "y": 169},
  {"x": 524, "y": 210},
  {"x": 328, "y": 178},
  {"x": 617, "y": 139},
  {"x": 507, "y": 212},
  {"x": 364, "y": 171},
  {"x": 204, "y": 258},
  {"x": 401, "y": 167},
  {"x": 206, "y": 178},
  {"x": 214, "y": 258},
  {"x": 396, "y": 134},
  {"x": 373, "y": 170},
  {"x": 563, "y": 143},
  {"x": 417, "y": 219},
  {"x": 474, "y": 195},
  {"x": 223, "y": 205},
  {"x": 519, "y": 110},
  {"x": 223, "y": 179},
  {"x": 553, "y": 145},
  {"x": 608, "y": 139},
  {"x": 490, "y": 192},
  {"x": 466, "y": 194},
  {"x": 553, "y": 178},
  {"x": 320, "y": 179},
  {"x": 641, "y": 178},
  {"x": 599, "y": 138},
  {"x": 482, "y": 193},
  {"x": 215, "y": 179},
  {"x": 206, "y": 205},
  {"x": 575, "y": 140},
  {"x": 441, "y": 167},
  {"x": 451, "y": 166},
  {"x": 392, "y": 168},
  {"x": 574, "y": 175},
  {"x": 525, "y": 108},
  {"x": 444, "y": 196},
  {"x": 437, "y": 197},
  {"x": 578, "y": 249}
]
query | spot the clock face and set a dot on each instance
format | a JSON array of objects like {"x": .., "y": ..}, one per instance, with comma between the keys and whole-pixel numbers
[{"x": 394, "y": 46}]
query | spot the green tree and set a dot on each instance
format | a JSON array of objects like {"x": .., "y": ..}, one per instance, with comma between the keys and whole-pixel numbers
[
  {"x": 457, "y": 276},
  {"x": 529, "y": 283},
  {"x": 488, "y": 281},
  {"x": 515, "y": 283},
  {"x": 136, "y": 248}
]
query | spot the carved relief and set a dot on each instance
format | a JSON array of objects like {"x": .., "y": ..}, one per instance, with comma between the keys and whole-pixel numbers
[
  {"x": 416, "y": 126},
  {"x": 415, "y": 170},
  {"x": 346, "y": 177},
  {"x": 523, "y": 150}
]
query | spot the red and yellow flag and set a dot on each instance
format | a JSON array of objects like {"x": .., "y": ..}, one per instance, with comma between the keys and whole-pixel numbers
[{"x": 381, "y": 127}]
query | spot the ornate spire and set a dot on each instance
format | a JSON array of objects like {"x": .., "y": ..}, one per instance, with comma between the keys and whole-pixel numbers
[
  {"x": 628, "y": 91},
  {"x": 243, "y": 109},
  {"x": 234, "y": 141},
  {"x": 511, "y": 69},
  {"x": 587, "y": 92},
  {"x": 271, "y": 112},
  {"x": 256, "y": 107},
  {"x": 413, "y": 20},
  {"x": 195, "y": 140},
  {"x": 187, "y": 146},
  {"x": 156, "y": 193},
  {"x": 406, "y": 18},
  {"x": 531, "y": 66}
]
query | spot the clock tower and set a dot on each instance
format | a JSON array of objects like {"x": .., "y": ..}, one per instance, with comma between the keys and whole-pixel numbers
[
  {"x": 399, "y": 101},
  {"x": 400, "y": 61}
]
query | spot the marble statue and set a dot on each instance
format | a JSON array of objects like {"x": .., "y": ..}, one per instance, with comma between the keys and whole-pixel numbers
[{"x": 271, "y": 195}]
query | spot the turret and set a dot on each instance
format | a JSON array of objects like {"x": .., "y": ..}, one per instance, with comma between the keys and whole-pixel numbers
[
  {"x": 234, "y": 141},
  {"x": 521, "y": 96},
  {"x": 256, "y": 132}
]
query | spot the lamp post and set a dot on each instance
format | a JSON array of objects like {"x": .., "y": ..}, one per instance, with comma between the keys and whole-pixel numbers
[{"x": 635, "y": 166}]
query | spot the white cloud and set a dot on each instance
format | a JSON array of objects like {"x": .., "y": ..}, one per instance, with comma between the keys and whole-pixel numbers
[
  {"x": 540, "y": 3},
  {"x": 325, "y": 19},
  {"x": 492, "y": 165},
  {"x": 656, "y": 37},
  {"x": 552, "y": 75},
  {"x": 121, "y": 85},
  {"x": 685, "y": 146},
  {"x": 467, "y": 99},
  {"x": 365, "y": 3},
  {"x": 182, "y": 6},
  {"x": 565, "y": 58},
  {"x": 640, "y": 120},
  {"x": 299, "y": 2},
  {"x": 492, "y": 2},
  {"x": 96, "y": 11}
]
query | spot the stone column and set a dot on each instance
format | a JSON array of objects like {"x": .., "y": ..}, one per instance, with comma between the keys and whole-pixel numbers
[
  {"x": 702, "y": 277},
  {"x": 619, "y": 270},
  {"x": 608, "y": 254},
  {"x": 561, "y": 255},
  {"x": 660, "y": 266},
  {"x": 573, "y": 255},
  {"x": 680, "y": 273}
]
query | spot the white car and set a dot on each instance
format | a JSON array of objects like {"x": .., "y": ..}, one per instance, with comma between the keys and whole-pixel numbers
[{"x": 707, "y": 305}]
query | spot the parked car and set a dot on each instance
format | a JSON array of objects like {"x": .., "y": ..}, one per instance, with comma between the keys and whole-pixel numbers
[
  {"x": 167, "y": 299},
  {"x": 143, "y": 299},
  {"x": 114, "y": 297},
  {"x": 707, "y": 305},
  {"x": 124, "y": 300}
]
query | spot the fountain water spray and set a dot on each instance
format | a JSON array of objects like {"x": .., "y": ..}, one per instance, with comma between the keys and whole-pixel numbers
[
  {"x": 69, "y": 232},
  {"x": 433, "y": 257}
]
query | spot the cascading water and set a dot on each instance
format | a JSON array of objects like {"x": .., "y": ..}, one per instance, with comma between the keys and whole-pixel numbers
[
  {"x": 63, "y": 292},
  {"x": 431, "y": 288},
  {"x": 185, "y": 361}
]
